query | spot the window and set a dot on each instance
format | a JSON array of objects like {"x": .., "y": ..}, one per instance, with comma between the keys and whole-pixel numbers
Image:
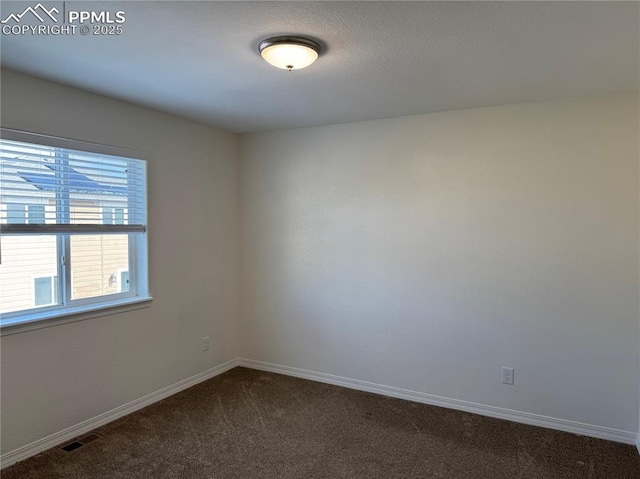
[
  {"x": 45, "y": 290},
  {"x": 107, "y": 216},
  {"x": 35, "y": 214},
  {"x": 16, "y": 213},
  {"x": 72, "y": 227},
  {"x": 124, "y": 281},
  {"x": 118, "y": 216},
  {"x": 112, "y": 216}
]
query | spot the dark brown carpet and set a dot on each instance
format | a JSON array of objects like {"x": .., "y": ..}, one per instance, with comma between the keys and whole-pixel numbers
[{"x": 250, "y": 424}]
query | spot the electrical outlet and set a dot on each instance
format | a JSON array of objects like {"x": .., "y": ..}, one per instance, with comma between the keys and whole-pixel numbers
[
  {"x": 205, "y": 343},
  {"x": 507, "y": 375}
]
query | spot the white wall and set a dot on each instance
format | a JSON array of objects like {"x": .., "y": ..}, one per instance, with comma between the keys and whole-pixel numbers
[
  {"x": 421, "y": 252},
  {"x": 57, "y": 377},
  {"x": 427, "y": 252}
]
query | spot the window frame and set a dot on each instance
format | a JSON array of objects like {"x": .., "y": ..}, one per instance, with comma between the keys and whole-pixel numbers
[{"x": 67, "y": 309}]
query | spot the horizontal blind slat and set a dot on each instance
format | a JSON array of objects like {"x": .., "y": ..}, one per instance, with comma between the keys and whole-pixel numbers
[{"x": 47, "y": 229}]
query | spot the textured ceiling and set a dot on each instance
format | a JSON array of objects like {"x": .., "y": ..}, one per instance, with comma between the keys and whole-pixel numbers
[{"x": 381, "y": 59}]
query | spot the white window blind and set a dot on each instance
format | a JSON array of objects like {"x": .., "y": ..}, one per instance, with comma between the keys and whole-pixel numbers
[
  {"x": 73, "y": 190},
  {"x": 72, "y": 223}
]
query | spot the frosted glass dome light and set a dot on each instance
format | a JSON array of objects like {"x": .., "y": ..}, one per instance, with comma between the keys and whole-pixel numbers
[{"x": 289, "y": 53}]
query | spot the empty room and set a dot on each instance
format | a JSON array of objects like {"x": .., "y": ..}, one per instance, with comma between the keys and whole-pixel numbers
[{"x": 395, "y": 240}]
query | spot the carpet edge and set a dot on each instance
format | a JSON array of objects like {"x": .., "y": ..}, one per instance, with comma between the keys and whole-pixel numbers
[{"x": 599, "y": 432}]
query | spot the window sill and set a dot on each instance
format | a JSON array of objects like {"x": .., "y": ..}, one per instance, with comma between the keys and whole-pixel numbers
[{"x": 34, "y": 321}]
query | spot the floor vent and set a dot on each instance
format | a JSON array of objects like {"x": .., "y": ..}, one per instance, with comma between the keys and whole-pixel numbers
[{"x": 80, "y": 442}]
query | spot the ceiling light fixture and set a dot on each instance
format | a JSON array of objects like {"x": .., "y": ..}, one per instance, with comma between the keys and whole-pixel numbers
[{"x": 289, "y": 53}]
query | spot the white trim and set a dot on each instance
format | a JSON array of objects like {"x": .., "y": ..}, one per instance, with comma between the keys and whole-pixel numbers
[
  {"x": 638, "y": 443},
  {"x": 599, "y": 432},
  {"x": 60, "y": 437}
]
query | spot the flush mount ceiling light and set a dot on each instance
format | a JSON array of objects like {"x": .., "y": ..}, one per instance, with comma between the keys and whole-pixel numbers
[{"x": 289, "y": 53}]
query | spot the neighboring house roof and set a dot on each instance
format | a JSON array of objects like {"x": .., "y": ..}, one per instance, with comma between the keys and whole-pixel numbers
[{"x": 78, "y": 183}]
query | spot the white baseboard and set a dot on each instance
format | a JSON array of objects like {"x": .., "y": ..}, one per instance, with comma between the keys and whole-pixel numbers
[
  {"x": 65, "y": 435},
  {"x": 599, "y": 432}
]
